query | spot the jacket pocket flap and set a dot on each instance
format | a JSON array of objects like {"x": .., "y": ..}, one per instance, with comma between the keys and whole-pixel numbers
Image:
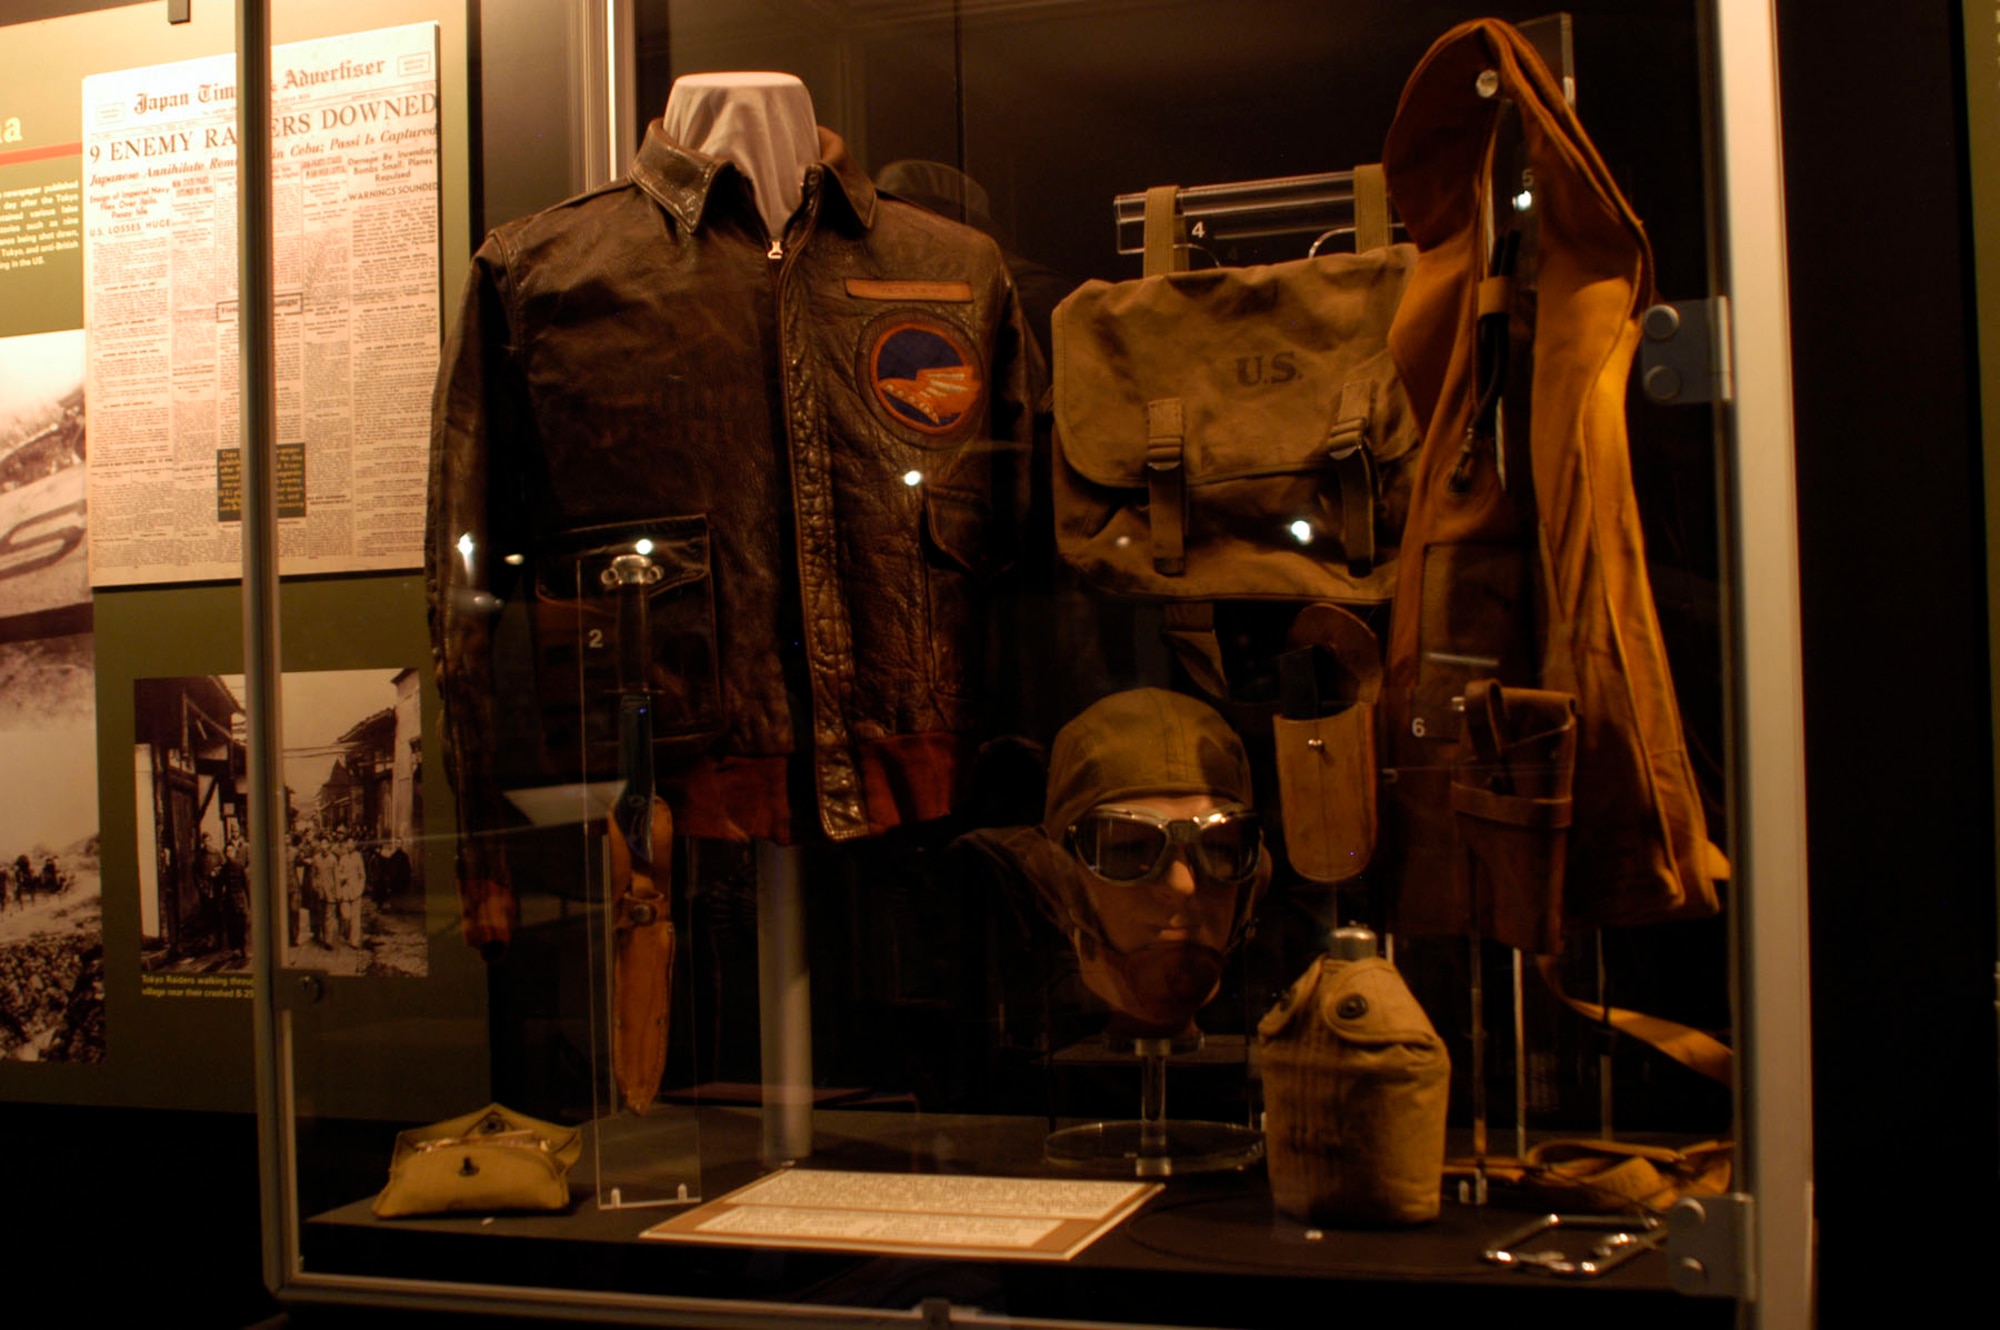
[
  {"x": 573, "y": 565},
  {"x": 960, "y": 526}
]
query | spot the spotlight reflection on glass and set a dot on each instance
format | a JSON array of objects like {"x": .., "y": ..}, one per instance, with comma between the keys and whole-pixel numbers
[
  {"x": 913, "y": 478},
  {"x": 642, "y": 546},
  {"x": 1302, "y": 531}
]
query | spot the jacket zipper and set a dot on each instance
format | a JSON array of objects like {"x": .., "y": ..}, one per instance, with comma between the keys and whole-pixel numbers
[
  {"x": 781, "y": 265},
  {"x": 781, "y": 260}
]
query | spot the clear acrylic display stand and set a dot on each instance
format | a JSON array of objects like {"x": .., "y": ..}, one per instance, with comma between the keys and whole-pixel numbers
[
  {"x": 1154, "y": 1145},
  {"x": 647, "y": 1153},
  {"x": 637, "y": 1158}
]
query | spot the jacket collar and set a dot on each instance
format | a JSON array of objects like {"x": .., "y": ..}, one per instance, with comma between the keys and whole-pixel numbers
[{"x": 682, "y": 180}]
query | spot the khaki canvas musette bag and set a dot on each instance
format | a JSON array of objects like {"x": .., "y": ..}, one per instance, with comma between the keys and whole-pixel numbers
[{"x": 1233, "y": 433}]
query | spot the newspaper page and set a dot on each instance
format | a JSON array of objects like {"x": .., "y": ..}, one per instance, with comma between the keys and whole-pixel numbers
[{"x": 355, "y": 216}]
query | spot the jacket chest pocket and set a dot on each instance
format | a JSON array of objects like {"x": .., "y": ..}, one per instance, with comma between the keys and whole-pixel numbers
[
  {"x": 961, "y": 554},
  {"x": 584, "y": 608}
]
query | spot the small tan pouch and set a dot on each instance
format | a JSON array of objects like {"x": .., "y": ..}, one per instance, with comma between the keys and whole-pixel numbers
[
  {"x": 492, "y": 1160},
  {"x": 1356, "y": 1083},
  {"x": 1326, "y": 772},
  {"x": 1326, "y": 763}
]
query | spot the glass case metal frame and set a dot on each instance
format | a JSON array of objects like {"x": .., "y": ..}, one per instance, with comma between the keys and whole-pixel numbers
[{"x": 1768, "y": 1241}]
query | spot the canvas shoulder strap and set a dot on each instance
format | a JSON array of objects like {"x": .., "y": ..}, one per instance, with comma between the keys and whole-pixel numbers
[
  {"x": 1692, "y": 1048},
  {"x": 1371, "y": 208},
  {"x": 1166, "y": 231}
]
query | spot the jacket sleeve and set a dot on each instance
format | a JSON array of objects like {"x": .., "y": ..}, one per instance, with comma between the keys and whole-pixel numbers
[
  {"x": 479, "y": 417},
  {"x": 1023, "y": 374},
  {"x": 1029, "y": 647}
]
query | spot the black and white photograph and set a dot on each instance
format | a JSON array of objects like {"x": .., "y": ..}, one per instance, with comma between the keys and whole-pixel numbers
[
  {"x": 194, "y": 875},
  {"x": 354, "y": 889},
  {"x": 44, "y": 561},
  {"x": 51, "y": 919},
  {"x": 352, "y": 901}
]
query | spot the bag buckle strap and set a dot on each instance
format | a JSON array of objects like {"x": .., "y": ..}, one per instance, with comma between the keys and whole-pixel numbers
[
  {"x": 1189, "y": 629},
  {"x": 1371, "y": 208},
  {"x": 1165, "y": 231},
  {"x": 1354, "y": 467},
  {"x": 1166, "y": 485}
]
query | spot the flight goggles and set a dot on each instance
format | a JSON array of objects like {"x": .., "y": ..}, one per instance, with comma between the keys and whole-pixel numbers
[{"x": 1130, "y": 846}]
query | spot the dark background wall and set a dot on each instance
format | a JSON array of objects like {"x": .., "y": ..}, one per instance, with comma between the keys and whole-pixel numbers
[{"x": 1898, "y": 722}]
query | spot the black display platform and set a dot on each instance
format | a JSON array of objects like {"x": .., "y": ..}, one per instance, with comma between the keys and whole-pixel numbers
[{"x": 1208, "y": 1250}]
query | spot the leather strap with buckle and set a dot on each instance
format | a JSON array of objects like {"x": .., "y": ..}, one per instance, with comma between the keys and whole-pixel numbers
[
  {"x": 1354, "y": 467},
  {"x": 1166, "y": 484}
]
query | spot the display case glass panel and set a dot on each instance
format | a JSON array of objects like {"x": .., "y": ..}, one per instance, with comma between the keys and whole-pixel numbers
[{"x": 1001, "y": 734}]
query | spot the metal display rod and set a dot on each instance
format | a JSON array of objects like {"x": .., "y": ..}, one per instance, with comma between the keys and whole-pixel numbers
[
  {"x": 1248, "y": 209},
  {"x": 784, "y": 1003},
  {"x": 1304, "y": 205},
  {"x": 257, "y": 430}
]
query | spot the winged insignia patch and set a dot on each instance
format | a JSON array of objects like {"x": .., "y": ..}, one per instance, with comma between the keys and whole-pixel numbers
[
  {"x": 924, "y": 375},
  {"x": 943, "y": 395}
]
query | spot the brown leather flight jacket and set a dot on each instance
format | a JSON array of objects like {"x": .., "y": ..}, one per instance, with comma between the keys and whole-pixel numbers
[
  {"x": 825, "y": 437},
  {"x": 1538, "y": 580}
]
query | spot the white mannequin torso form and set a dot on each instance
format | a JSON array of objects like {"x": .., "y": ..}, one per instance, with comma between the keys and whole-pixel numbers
[{"x": 761, "y": 122}]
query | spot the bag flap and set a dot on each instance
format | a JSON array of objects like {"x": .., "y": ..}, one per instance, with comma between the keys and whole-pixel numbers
[
  {"x": 563, "y": 1144},
  {"x": 1367, "y": 1002},
  {"x": 1259, "y": 357},
  {"x": 1292, "y": 1003}
]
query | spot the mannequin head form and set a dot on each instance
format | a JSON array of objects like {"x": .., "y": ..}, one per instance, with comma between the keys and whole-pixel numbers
[
  {"x": 761, "y": 122},
  {"x": 1159, "y": 861}
]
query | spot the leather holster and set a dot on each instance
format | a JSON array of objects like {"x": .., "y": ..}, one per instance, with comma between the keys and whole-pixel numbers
[{"x": 1511, "y": 796}]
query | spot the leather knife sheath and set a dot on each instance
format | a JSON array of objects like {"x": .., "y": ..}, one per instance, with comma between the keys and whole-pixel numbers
[{"x": 642, "y": 961}]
